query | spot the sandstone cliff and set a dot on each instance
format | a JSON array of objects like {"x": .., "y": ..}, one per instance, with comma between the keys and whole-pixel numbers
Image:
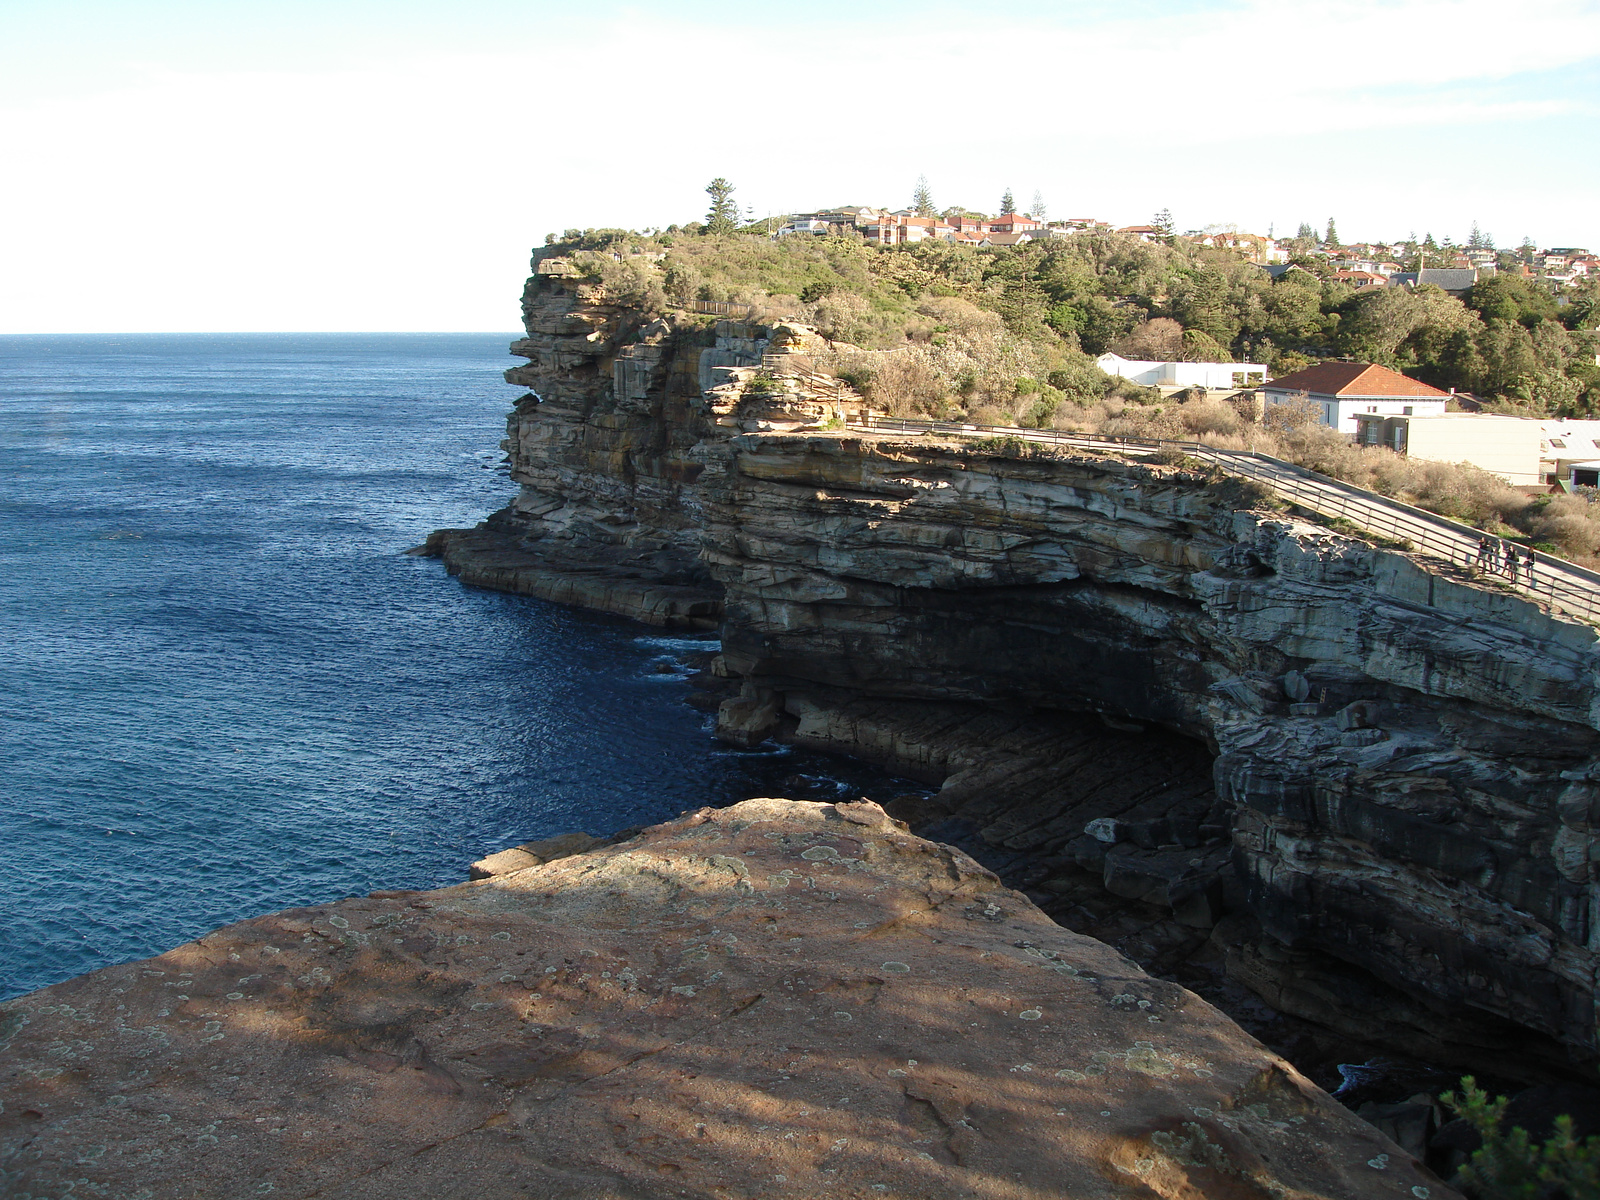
[
  {"x": 774, "y": 999},
  {"x": 1379, "y": 777}
]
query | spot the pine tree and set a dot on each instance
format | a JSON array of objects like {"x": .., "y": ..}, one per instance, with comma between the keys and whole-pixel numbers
[
  {"x": 922, "y": 198},
  {"x": 1526, "y": 251},
  {"x": 1037, "y": 211},
  {"x": 724, "y": 212},
  {"x": 1008, "y": 205},
  {"x": 1331, "y": 238},
  {"x": 1305, "y": 233},
  {"x": 1163, "y": 222},
  {"x": 1475, "y": 238}
]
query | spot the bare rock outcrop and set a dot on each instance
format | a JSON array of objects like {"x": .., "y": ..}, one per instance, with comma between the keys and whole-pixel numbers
[{"x": 780, "y": 998}]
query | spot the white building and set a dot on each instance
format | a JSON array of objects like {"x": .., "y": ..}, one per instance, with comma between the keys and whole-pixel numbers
[
  {"x": 1225, "y": 376},
  {"x": 1505, "y": 446},
  {"x": 812, "y": 225},
  {"x": 1569, "y": 450},
  {"x": 1345, "y": 390}
]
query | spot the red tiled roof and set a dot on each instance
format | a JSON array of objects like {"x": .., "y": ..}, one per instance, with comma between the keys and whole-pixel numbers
[{"x": 1355, "y": 379}]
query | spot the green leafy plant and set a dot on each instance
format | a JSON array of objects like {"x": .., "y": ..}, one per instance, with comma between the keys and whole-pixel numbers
[{"x": 1511, "y": 1166}]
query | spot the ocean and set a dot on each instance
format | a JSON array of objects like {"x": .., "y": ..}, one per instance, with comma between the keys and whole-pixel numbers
[{"x": 225, "y": 689}]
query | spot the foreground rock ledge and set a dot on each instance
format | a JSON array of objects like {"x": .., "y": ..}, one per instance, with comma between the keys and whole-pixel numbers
[{"x": 775, "y": 999}]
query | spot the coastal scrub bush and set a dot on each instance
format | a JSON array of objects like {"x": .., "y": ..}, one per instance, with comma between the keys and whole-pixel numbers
[
  {"x": 1511, "y": 1166},
  {"x": 1509, "y": 341},
  {"x": 1209, "y": 416}
]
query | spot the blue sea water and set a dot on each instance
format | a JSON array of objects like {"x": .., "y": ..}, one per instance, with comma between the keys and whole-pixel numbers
[{"x": 225, "y": 690}]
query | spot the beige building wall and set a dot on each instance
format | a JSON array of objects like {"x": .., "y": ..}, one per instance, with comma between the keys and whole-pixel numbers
[{"x": 1507, "y": 446}]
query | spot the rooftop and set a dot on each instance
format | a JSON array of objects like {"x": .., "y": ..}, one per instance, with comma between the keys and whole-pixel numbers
[{"x": 1354, "y": 380}]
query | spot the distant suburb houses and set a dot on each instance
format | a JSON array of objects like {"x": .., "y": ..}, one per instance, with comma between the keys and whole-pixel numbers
[
  {"x": 1361, "y": 265},
  {"x": 905, "y": 227}
]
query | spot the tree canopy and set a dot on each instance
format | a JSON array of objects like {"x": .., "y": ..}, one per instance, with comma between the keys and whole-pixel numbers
[
  {"x": 1507, "y": 340},
  {"x": 724, "y": 213}
]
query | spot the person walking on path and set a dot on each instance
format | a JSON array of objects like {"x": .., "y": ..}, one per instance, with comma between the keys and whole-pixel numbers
[
  {"x": 1513, "y": 563},
  {"x": 1527, "y": 565},
  {"x": 1488, "y": 556}
]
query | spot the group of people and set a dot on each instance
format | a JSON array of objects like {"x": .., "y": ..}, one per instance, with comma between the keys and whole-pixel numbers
[{"x": 1503, "y": 558}]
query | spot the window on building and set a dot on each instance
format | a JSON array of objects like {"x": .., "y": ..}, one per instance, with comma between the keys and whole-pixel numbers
[{"x": 1407, "y": 411}]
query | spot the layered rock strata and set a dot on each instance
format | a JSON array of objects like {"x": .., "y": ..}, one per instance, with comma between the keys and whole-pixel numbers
[
  {"x": 605, "y": 447},
  {"x": 1405, "y": 761},
  {"x": 1405, "y": 756},
  {"x": 778, "y": 998}
]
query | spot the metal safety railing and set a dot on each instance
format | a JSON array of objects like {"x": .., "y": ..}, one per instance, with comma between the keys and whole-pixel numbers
[
  {"x": 1563, "y": 585},
  {"x": 721, "y": 308}
]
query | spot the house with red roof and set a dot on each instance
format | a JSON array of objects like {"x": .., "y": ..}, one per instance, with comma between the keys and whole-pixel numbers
[
  {"x": 1343, "y": 390},
  {"x": 968, "y": 223},
  {"x": 1013, "y": 223}
]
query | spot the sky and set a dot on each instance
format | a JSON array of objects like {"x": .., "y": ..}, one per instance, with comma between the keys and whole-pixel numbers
[{"x": 347, "y": 165}]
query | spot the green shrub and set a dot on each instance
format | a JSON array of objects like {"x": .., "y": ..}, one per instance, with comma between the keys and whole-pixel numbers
[{"x": 1510, "y": 1166}]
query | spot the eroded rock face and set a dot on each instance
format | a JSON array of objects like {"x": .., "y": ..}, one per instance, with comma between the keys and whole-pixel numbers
[
  {"x": 1395, "y": 744},
  {"x": 609, "y": 445},
  {"x": 780, "y": 998},
  {"x": 1405, "y": 759}
]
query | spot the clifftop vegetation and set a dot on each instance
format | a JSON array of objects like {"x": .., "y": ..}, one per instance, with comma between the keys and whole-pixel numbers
[{"x": 1009, "y": 333}]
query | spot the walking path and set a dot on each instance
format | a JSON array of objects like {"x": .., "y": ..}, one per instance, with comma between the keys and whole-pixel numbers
[{"x": 1560, "y": 584}]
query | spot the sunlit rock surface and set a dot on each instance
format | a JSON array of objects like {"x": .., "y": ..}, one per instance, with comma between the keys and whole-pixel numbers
[{"x": 780, "y": 998}]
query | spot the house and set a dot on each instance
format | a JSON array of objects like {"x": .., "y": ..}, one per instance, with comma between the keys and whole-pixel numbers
[
  {"x": 1009, "y": 239},
  {"x": 897, "y": 229},
  {"x": 1570, "y": 452},
  {"x": 1342, "y": 390},
  {"x": 1278, "y": 270},
  {"x": 969, "y": 223},
  {"x": 811, "y": 225},
  {"x": 1504, "y": 446},
  {"x": 1376, "y": 266},
  {"x": 855, "y": 215},
  {"x": 1145, "y": 233},
  {"x": 1457, "y": 281},
  {"x": 1253, "y": 246},
  {"x": 1013, "y": 223},
  {"x": 1361, "y": 279},
  {"x": 1227, "y": 376}
]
